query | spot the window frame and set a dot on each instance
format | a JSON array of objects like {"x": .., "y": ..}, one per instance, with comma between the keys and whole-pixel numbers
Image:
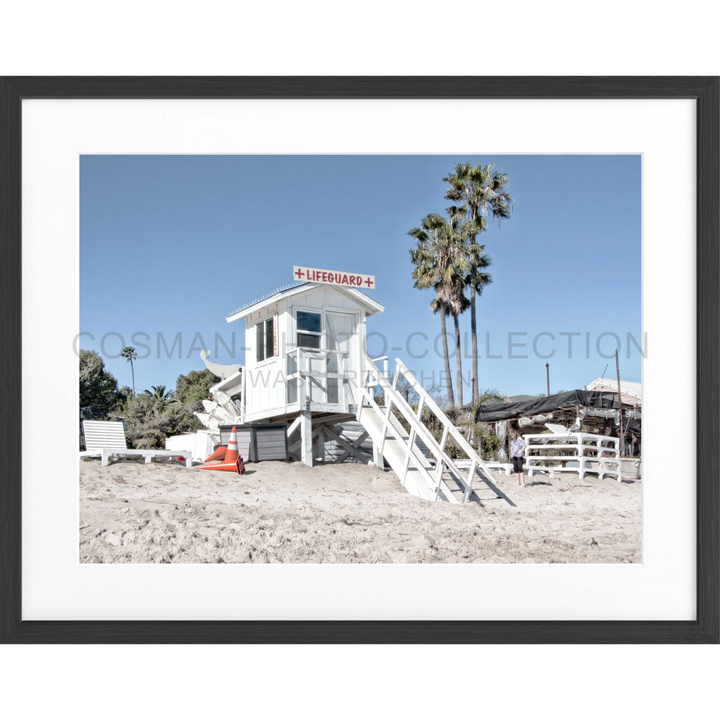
[
  {"x": 319, "y": 334},
  {"x": 261, "y": 339}
]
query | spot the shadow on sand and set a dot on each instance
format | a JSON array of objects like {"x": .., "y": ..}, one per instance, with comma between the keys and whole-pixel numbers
[{"x": 490, "y": 483}]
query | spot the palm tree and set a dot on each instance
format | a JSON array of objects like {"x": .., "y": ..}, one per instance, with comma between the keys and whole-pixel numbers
[
  {"x": 466, "y": 420},
  {"x": 441, "y": 263},
  {"x": 480, "y": 190},
  {"x": 159, "y": 393},
  {"x": 129, "y": 354}
]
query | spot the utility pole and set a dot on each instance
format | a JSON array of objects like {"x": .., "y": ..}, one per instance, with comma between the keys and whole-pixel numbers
[
  {"x": 547, "y": 373},
  {"x": 622, "y": 434}
]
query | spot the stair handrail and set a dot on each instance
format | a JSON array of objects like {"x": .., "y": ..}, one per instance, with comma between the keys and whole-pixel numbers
[{"x": 454, "y": 432}]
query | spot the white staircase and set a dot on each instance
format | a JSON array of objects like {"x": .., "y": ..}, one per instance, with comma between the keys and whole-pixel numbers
[{"x": 431, "y": 478}]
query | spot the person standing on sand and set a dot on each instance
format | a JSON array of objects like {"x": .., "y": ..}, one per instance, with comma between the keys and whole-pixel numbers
[{"x": 517, "y": 455}]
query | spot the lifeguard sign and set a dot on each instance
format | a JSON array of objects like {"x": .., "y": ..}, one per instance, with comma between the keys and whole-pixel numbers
[{"x": 333, "y": 277}]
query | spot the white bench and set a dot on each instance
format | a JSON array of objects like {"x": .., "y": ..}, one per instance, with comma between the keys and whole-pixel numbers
[
  {"x": 500, "y": 467},
  {"x": 105, "y": 439}
]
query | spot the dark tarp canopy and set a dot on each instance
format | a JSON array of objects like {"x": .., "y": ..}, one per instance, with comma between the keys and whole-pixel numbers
[{"x": 546, "y": 404}]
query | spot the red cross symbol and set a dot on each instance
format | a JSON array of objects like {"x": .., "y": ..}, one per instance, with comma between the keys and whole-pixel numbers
[
  {"x": 299, "y": 274},
  {"x": 369, "y": 282}
]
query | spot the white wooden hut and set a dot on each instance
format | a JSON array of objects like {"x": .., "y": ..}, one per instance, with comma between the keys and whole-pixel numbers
[{"x": 303, "y": 351}]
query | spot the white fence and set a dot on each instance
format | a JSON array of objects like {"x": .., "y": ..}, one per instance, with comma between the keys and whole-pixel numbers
[{"x": 575, "y": 452}]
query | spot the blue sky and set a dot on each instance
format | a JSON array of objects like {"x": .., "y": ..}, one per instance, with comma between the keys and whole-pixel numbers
[{"x": 172, "y": 244}]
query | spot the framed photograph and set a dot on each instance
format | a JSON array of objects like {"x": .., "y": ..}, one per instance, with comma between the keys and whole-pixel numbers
[{"x": 360, "y": 360}]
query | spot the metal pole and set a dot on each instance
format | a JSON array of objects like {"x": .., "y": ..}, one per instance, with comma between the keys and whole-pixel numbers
[
  {"x": 547, "y": 372},
  {"x": 622, "y": 438}
]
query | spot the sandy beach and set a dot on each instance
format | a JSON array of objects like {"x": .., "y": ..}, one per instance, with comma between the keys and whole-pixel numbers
[{"x": 289, "y": 513}]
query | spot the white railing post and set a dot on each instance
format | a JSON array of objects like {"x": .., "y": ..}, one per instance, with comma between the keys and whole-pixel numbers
[
  {"x": 471, "y": 477},
  {"x": 408, "y": 452},
  {"x": 302, "y": 389},
  {"x": 386, "y": 420},
  {"x": 243, "y": 401},
  {"x": 341, "y": 381},
  {"x": 374, "y": 371},
  {"x": 443, "y": 441},
  {"x": 440, "y": 463}
]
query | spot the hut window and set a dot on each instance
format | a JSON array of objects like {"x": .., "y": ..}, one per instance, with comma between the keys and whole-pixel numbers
[
  {"x": 308, "y": 341},
  {"x": 309, "y": 326},
  {"x": 265, "y": 339}
]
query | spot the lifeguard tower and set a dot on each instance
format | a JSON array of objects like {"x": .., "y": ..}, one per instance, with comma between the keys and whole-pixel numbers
[{"x": 306, "y": 364}]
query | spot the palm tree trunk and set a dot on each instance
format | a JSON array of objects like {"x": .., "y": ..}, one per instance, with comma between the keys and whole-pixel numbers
[
  {"x": 458, "y": 361},
  {"x": 132, "y": 370},
  {"x": 473, "y": 330},
  {"x": 446, "y": 355},
  {"x": 473, "y": 319}
]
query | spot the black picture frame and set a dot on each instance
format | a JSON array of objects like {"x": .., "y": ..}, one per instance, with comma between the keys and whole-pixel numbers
[{"x": 703, "y": 90}]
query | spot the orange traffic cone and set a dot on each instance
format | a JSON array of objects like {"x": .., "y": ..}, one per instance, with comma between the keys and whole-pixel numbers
[
  {"x": 238, "y": 466},
  {"x": 218, "y": 454},
  {"x": 232, "y": 461},
  {"x": 232, "y": 449}
]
